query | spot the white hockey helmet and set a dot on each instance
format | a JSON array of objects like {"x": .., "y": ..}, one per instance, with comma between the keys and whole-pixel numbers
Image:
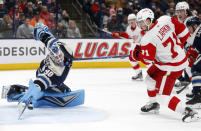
[
  {"x": 182, "y": 6},
  {"x": 131, "y": 17},
  {"x": 144, "y": 14}
]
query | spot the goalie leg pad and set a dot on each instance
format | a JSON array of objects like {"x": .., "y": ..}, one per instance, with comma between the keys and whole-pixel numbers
[{"x": 69, "y": 99}]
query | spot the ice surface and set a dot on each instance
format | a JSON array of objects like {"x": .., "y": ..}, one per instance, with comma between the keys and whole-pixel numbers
[{"x": 112, "y": 103}]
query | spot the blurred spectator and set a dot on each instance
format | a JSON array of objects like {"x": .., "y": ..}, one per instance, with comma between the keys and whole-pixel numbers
[
  {"x": 39, "y": 5},
  {"x": 23, "y": 4},
  {"x": 20, "y": 20},
  {"x": 124, "y": 23},
  {"x": 114, "y": 25},
  {"x": 112, "y": 10},
  {"x": 172, "y": 4},
  {"x": 3, "y": 9},
  {"x": 29, "y": 10},
  {"x": 170, "y": 12},
  {"x": 44, "y": 14},
  {"x": 25, "y": 30},
  {"x": 127, "y": 10},
  {"x": 61, "y": 32},
  {"x": 37, "y": 19},
  {"x": 73, "y": 31},
  {"x": 51, "y": 23},
  {"x": 6, "y": 27},
  {"x": 18, "y": 11},
  {"x": 52, "y": 7},
  {"x": 158, "y": 12},
  {"x": 64, "y": 19},
  {"x": 95, "y": 7},
  {"x": 106, "y": 16},
  {"x": 120, "y": 15}
]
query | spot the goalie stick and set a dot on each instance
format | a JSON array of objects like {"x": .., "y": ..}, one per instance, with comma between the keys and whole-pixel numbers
[
  {"x": 22, "y": 108},
  {"x": 92, "y": 58}
]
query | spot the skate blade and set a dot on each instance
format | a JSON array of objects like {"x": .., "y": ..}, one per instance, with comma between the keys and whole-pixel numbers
[
  {"x": 195, "y": 106},
  {"x": 137, "y": 79},
  {"x": 151, "y": 112},
  {"x": 195, "y": 118}
]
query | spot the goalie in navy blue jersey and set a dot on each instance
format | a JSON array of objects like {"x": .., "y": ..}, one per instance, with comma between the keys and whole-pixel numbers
[{"x": 48, "y": 88}]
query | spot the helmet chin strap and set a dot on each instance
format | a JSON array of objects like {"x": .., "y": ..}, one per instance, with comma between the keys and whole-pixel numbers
[{"x": 148, "y": 25}]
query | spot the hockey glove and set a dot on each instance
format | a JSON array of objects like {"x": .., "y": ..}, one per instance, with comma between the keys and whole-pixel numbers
[
  {"x": 40, "y": 30},
  {"x": 135, "y": 54},
  {"x": 192, "y": 54},
  {"x": 33, "y": 92},
  {"x": 116, "y": 34}
]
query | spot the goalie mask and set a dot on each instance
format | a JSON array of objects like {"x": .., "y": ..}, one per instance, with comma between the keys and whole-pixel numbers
[{"x": 56, "y": 55}]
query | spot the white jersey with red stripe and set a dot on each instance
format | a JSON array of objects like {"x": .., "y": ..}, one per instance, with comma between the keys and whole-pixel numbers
[
  {"x": 163, "y": 44},
  {"x": 134, "y": 33}
]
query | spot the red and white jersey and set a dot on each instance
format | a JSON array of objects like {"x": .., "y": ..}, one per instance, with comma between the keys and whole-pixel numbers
[
  {"x": 184, "y": 20},
  {"x": 163, "y": 44},
  {"x": 135, "y": 33}
]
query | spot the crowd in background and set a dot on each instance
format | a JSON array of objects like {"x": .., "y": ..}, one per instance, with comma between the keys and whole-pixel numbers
[
  {"x": 110, "y": 14},
  {"x": 114, "y": 12},
  {"x": 29, "y": 12}
]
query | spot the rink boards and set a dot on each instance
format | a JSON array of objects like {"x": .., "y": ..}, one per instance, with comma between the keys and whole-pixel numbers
[{"x": 27, "y": 53}]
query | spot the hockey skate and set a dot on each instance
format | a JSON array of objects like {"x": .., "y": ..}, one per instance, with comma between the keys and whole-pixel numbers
[
  {"x": 151, "y": 107},
  {"x": 195, "y": 102},
  {"x": 189, "y": 96},
  {"x": 190, "y": 115},
  {"x": 138, "y": 77}
]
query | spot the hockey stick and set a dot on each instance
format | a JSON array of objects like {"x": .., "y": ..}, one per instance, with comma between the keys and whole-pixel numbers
[
  {"x": 179, "y": 91},
  {"x": 95, "y": 58},
  {"x": 68, "y": 55},
  {"x": 108, "y": 32},
  {"x": 22, "y": 108}
]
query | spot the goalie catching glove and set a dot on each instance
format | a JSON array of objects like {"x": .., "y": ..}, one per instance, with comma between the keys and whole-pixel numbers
[{"x": 40, "y": 30}]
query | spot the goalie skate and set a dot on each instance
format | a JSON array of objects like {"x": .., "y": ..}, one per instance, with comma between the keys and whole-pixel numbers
[
  {"x": 151, "y": 107},
  {"x": 138, "y": 77},
  {"x": 190, "y": 115}
]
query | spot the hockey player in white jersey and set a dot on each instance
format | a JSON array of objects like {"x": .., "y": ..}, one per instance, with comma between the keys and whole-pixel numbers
[
  {"x": 135, "y": 33},
  {"x": 183, "y": 13},
  {"x": 162, "y": 47}
]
